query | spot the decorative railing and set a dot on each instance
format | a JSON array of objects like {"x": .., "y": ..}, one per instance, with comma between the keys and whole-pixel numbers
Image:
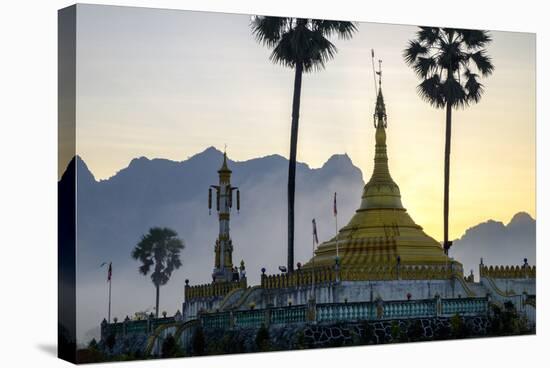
[
  {"x": 412, "y": 309},
  {"x": 344, "y": 312},
  {"x": 340, "y": 312},
  {"x": 302, "y": 277},
  {"x": 136, "y": 327},
  {"x": 322, "y": 313},
  {"x": 324, "y": 274},
  {"x": 250, "y": 318},
  {"x": 508, "y": 272},
  {"x": 212, "y": 290},
  {"x": 216, "y": 320},
  {"x": 467, "y": 306},
  {"x": 290, "y": 314}
]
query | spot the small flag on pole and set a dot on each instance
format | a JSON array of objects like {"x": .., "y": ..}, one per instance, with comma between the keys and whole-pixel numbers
[
  {"x": 110, "y": 272},
  {"x": 315, "y": 238},
  {"x": 335, "y": 208}
]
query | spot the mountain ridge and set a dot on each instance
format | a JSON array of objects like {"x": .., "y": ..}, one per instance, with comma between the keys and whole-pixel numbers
[{"x": 113, "y": 214}]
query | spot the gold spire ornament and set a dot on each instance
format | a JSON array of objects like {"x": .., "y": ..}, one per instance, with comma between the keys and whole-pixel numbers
[{"x": 381, "y": 235}]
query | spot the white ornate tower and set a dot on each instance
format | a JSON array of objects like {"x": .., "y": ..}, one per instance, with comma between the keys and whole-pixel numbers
[{"x": 223, "y": 265}]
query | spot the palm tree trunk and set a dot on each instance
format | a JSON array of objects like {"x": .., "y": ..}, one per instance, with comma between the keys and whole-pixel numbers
[
  {"x": 292, "y": 163},
  {"x": 157, "y": 304},
  {"x": 446, "y": 244}
]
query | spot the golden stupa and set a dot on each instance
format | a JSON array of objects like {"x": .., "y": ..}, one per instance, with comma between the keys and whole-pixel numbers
[{"x": 381, "y": 237}]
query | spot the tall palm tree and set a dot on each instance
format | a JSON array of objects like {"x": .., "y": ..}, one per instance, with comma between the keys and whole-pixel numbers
[
  {"x": 450, "y": 63},
  {"x": 303, "y": 45},
  {"x": 159, "y": 249}
]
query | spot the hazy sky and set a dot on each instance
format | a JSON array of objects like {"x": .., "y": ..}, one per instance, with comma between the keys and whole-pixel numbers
[{"x": 168, "y": 84}]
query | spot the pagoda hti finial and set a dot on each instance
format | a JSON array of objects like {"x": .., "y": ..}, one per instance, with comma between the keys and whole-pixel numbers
[{"x": 380, "y": 117}]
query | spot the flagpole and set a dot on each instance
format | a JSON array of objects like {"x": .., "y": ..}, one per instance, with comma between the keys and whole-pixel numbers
[
  {"x": 336, "y": 225},
  {"x": 109, "y": 312},
  {"x": 109, "y": 279},
  {"x": 313, "y": 264},
  {"x": 313, "y": 241}
]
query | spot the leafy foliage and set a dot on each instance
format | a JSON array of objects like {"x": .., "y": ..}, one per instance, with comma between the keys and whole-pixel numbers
[
  {"x": 93, "y": 345},
  {"x": 170, "y": 347},
  {"x": 198, "y": 342},
  {"x": 160, "y": 248},
  {"x": 459, "y": 329},
  {"x": 299, "y": 41},
  {"x": 450, "y": 63},
  {"x": 415, "y": 331},
  {"x": 507, "y": 321},
  {"x": 110, "y": 341},
  {"x": 367, "y": 334},
  {"x": 262, "y": 338},
  {"x": 395, "y": 331}
]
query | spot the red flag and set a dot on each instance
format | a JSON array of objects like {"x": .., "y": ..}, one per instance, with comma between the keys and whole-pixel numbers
[
  {"x": 335, "y": 208},
  {"x": 315, "y": 232},
  {"x": 110, "y": 272}
]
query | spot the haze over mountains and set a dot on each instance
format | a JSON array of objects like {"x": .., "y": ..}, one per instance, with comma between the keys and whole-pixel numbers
[
  {"x": 114, "y": 213},
  {"x": 497, "y": 243}
]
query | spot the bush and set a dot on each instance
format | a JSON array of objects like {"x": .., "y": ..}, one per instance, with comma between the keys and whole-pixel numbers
[
  {"x": 301, "y": 340},
  {"x": 262, "y": 339},
  {"x": 170, "y": 347},
  {"x": 198, "y": 342},
  {"x": 507, "y": 321},
  {"x": 396, "y": 334},
  {"x": 415, "y": 331},
  {"x": 110, "y": 341},
  {"x": 92, "y": 345},
  {"x": 459, "y": 330},
  {"x": 367, "y": 334}
]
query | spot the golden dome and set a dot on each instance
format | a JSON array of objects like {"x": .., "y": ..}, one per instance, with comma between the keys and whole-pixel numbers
[{"x": 381, "y": 233}]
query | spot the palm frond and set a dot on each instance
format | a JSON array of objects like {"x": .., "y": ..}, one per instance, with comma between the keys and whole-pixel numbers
[
  {"x": 454, "y": 92},
  {"x": 450, "y": 34},
  {"x": 428, "y": 35},
  {"x": 483, "y": 62},
  {"x": 159, "y": 248},
  {"x": 328, "y": 28},
  {"x": 269, "y": 30},
  {"x": 299, "y": 41},
  {"x": 305, "y": 46},
  {"x": 424, "y": 66},
  {"x": 414, "y": 50},
  {"x": 475, "y": 38},
  {"x": 430, "y": 90},
  {"x": 474, "y": 88}
]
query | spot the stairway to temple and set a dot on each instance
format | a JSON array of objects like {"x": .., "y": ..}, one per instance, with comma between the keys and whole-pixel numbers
[{"x": 478, "y": 289}]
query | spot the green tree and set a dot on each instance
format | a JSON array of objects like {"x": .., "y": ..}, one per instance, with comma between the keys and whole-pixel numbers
[
  {"x": 303, "y": 45},
  {"x": 459, "y": 329},
  {"x": 198, "y": 342},
  {"x": 110, "y": 342},
  {"x": 159, "y": 250},
  {"x": 169, "y": 347},
  {"x": 368, "y": 336},
  {"x": 395, "y": 330},
  {"x": 446, "y": 60},
  {"x": 262, "y": 338},
  {"x": 93, "y": 345},
  {"x": 415, "y": 332}
]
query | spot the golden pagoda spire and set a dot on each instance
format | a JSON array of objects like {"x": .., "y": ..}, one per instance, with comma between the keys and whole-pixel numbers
[
  {"x": 381, "y": 236},
  {"x": 381, "y": 191}
]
